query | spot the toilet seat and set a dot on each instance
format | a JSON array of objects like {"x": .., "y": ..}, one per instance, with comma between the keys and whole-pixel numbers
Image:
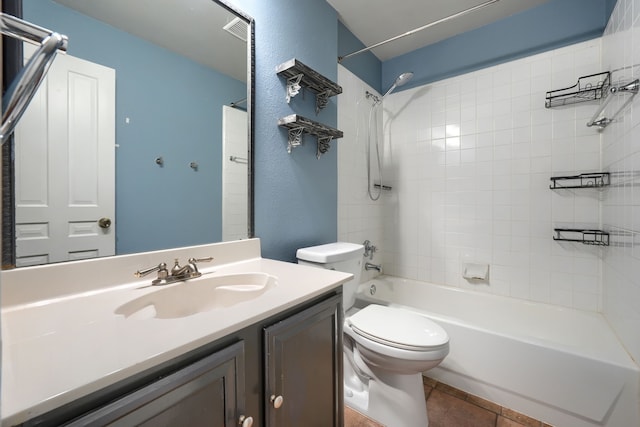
[{"x": 398, "y": 328}]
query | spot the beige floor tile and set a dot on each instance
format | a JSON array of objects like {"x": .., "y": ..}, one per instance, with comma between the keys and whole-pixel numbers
[
  {"x": 446, "y": 410},
  {"x": 483, "y": 403},
  {"x": 353, "y": 418},
  {"x": 520, "y": 418},
  {"x": 450, "y": 407},
  {"x": 506, "y": 422}
]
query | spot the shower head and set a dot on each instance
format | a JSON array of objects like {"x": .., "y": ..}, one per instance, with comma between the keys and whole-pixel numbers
[{"x": 401, "y": 80}]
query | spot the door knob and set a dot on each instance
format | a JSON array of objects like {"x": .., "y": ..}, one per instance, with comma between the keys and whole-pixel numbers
[
  {"x": 104, "y": 222},
  {"x": 277, "y": 401}
]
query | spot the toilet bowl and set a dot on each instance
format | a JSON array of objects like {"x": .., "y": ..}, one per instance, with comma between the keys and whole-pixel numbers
[{"x": 386, "y": 349}]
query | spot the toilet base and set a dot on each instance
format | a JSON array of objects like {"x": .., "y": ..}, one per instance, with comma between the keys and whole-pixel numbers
[{"x": 392, "y": 400}]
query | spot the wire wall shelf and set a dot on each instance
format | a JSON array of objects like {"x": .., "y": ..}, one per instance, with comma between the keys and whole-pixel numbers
[
  {"x": 588, "y": 88},
  {"x": 298, "y": 125},
  {"x": 585, "y": 236},
  {"x": 584, "y": 180}
]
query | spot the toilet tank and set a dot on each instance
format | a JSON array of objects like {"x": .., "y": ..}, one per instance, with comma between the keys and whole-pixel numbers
[{"x": 339, "y": 256}]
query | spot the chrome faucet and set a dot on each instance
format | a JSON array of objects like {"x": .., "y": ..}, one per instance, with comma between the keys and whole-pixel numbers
[
  {"x": 370, "y": 266},
  {"x": 369, "y": 249},
  {"x": 178, "y": 273}
]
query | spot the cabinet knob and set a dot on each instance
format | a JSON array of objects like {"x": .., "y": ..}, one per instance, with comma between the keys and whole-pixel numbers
[
  {"x": 276, "y": 401},
  {"x": 245, "y": 421}
]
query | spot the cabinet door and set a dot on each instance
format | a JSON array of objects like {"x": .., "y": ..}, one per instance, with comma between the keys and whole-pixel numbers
[
  {"x": 303, "y": 356},
  {"x": 209, "y": 392}
]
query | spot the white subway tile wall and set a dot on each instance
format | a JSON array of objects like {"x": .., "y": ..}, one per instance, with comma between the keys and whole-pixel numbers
[
  {"x": 359, "y": 218},
  {"x": 469, "y": 159},
  {"x": 621, "y": 203}
]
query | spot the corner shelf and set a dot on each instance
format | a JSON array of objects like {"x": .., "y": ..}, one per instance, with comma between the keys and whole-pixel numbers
[
  {"x": 298, "y": 125},
  {"x": 299, "y": 75},
  {"x": 588, "y": 88},
  {"x": 584, "y": 180},
  {"x": 585, "y": 236}
]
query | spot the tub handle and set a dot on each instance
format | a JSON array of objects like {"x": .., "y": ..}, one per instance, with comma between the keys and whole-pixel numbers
[{"x": 372, "y": 289}]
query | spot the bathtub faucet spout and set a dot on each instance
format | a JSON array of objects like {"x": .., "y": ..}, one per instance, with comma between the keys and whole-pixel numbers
[{"x": 369, "y": 266}]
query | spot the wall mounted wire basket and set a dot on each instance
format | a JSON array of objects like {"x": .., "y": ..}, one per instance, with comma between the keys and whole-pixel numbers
[
  {"x": 584, "y": 180},
  {"x": 584, "y": 236},
  {"x": 588, "y": 88}
]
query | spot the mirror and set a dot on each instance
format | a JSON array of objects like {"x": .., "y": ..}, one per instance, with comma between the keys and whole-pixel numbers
[{"x": 168, "y": 83}]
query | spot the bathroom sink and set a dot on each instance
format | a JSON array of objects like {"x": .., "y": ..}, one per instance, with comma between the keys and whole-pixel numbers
[{"x": 198, "y": 295}]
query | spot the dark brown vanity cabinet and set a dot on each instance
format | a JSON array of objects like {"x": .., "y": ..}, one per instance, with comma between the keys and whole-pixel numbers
[
  {"x": 283, "y": 371},
  {"x": 303, "y": 353},
  {"x": 209, "y": 392}
]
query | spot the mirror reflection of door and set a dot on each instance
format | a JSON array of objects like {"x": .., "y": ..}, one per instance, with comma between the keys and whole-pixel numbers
[{"x": 65, "y": 147}]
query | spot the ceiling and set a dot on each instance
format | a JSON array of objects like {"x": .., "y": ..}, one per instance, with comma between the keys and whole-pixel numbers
[
  {"x": 373, "y": 21},
  {"x": 164, "y": 22},
  {"x": 383, "y": 19}
]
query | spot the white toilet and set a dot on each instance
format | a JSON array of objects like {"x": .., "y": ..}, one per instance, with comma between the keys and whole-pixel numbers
[{"x": 386, "y": 349}]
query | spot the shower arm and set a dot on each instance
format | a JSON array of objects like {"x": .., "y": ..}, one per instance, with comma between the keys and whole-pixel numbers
[{"x": 424, "y": 27}]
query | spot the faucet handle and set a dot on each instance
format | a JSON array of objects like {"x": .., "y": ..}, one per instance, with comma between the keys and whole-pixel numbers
[
  {"x": 160, "y": 268},
  {"x": 206, "y": 259},
  {"x": 194, "y": 261},
  {"x": 369, "y": 249}
]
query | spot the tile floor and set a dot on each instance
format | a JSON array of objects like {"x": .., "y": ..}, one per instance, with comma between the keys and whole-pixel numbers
[{"x": 450, "y": 407}]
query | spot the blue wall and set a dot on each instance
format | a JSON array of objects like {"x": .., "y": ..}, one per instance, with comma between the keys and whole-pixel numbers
[
  {"x": 295, "y": 194},
  {"x": 365, "y": 65},
  {"x": 175, "y": 111},
  {"x": 551, "y": 25}
]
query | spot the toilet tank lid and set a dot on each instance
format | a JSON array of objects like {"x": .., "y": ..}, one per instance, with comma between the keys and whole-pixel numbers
[{"x": 330, "y": 252}]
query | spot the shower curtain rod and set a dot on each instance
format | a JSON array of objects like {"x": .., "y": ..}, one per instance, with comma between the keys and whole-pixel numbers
[{"x": 424, "y": 27}]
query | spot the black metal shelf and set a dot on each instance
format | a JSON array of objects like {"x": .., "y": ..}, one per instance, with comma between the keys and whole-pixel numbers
[
  {"x": 588, "y": 88},
  {"x": 298, "y": 125},
  {"x": 584, "y": 180},
  {"x": 299, "y": 75},
  {"x": 585, "y": 236}
]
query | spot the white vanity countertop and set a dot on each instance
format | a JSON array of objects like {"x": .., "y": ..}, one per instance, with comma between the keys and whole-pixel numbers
[{"x": 60, "y": 349}]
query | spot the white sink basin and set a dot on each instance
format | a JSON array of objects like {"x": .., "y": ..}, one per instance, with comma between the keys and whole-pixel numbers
[{"x": 198, "y": 295}]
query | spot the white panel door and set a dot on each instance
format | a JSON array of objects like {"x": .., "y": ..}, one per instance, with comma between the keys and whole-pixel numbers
[{"x": 65, "y": 165}]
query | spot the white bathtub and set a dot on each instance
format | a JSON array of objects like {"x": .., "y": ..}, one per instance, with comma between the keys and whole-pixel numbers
[{"x": 561, "y": 366}]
